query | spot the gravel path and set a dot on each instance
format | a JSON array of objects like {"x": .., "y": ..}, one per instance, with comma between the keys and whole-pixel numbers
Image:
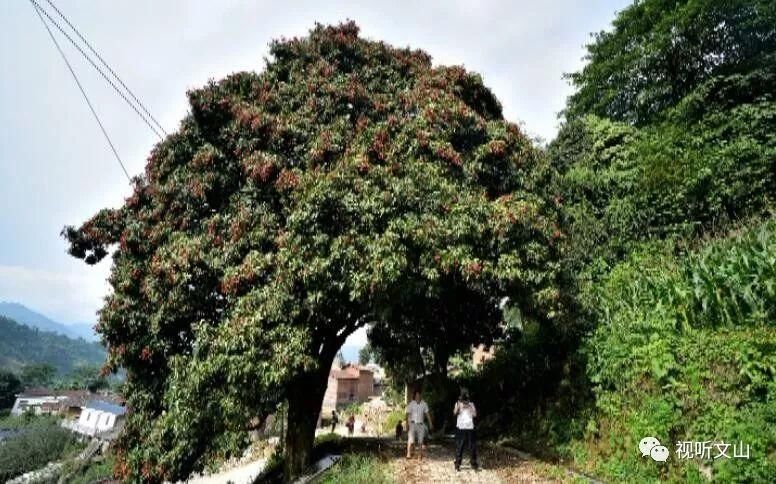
[{"x": 497, "y": 466}]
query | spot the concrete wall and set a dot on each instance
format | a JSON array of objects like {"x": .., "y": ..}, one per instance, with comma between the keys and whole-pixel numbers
[{"x": 366, "y": 385}]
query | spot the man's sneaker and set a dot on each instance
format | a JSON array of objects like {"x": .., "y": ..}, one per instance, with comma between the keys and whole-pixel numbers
[{"x": 457, "y": 468}]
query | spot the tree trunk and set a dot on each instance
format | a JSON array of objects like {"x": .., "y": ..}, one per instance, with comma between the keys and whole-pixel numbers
[{"x": 304, "y": 407}]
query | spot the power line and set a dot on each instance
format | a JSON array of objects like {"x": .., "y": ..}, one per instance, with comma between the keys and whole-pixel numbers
[
  {"x": 40, "y": 10},
  {"x": 116, "y": 76},
  {"x": 80, "y": 87},
  {"x": 96, "y": 67}
]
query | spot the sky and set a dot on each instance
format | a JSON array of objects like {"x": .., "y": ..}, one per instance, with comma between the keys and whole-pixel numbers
[{"x": 56, "y": 168}]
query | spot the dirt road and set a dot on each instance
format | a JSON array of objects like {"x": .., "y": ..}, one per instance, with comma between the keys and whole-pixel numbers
[{"x": 497, "y": 466}]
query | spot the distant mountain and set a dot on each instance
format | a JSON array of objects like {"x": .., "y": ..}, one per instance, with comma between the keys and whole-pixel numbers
[
  {"x": 26, "y": 316},
  {"x": 21, "y": 345},
  {"x": 83, "y": 330}
]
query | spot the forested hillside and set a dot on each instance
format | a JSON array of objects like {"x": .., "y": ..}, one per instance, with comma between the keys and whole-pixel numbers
[
  {"x": 26, "y": 316},
  {"x": 21, "y": 345}
]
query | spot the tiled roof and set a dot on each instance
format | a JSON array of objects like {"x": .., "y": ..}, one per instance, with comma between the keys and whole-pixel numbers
[
  {"x": 76, "y": 393},
  {"x": 348, "y": 373},
  {"x": 106, "y": 407},
  {"x": 37, "y": 392}
]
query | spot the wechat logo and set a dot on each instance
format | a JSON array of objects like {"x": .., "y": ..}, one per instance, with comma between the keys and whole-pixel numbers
[{"x": 651, "y": 446}]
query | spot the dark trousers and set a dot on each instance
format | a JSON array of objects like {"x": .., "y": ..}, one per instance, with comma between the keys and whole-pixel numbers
[{"x": 465, "y": 438}]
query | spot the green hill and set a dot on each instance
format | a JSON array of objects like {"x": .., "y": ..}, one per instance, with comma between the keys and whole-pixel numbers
[
  {"x": 26, "y": 316},
  {"x": 21, "y": 345}
]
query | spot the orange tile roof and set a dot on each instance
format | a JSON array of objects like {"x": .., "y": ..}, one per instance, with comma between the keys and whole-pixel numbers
[{"x": 348, "y": 373}]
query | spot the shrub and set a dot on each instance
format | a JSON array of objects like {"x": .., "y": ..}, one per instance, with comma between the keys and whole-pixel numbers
[
  {"x": 352, "y": 409},
  {"x": 32, "y": 448},
  {"x": 392, "y": 419},
  {"x": 686, "y": 351}
]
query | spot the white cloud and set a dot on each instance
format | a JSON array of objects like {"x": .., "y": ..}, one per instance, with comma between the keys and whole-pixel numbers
[
  {"x": 63, "y": 296},
  {"x": 357, "y": 338}
]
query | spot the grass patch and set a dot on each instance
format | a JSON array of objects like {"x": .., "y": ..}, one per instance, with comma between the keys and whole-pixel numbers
[
  {"x": 366, "y": 449},
  {"x": 12, "y": 422},
  {"x": 357, "y": 469}
]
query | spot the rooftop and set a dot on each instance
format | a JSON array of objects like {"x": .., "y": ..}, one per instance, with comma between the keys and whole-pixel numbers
[
  {"x": 37, "y": 392},
  {"x": 103, "y": 406},
  {"x": 350, "y": 372}
]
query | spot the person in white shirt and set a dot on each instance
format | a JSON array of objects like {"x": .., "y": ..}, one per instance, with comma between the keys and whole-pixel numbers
[
  {"x": 465, "y": 412},
  {"x": 417, "y": 413}
]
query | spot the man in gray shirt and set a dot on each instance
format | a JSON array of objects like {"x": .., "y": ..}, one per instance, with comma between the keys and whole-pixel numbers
[{"x": 417, "y": 412}]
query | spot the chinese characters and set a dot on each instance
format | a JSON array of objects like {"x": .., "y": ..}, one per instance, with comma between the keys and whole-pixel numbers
[{"x": 711, "y": 450}]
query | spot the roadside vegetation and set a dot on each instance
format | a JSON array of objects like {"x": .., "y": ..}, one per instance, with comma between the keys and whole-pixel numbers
[
  {"x": 685, "y": 350},
  {"x": 97, "y": 469},
  {"x": 665, "y": 167}
]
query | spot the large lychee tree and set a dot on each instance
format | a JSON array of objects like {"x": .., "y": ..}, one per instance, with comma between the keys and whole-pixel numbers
[{"x": 348, "y": 183}]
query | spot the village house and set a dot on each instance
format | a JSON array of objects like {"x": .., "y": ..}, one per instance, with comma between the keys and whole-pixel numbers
[
  {"x": 348, "y": 384},
  {"x": 38, "y": 401},
  {"x": 66, "y": 403},
  {"x": 68, "y": 407},
  {"x": 378, "y": 373},
  {"x": 98, "y": 418},
  {"x": 84, "y": 412}
]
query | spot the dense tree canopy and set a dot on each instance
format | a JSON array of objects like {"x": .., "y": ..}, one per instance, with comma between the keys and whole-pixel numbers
[
  {"x": 704, "y": 156},
  {"x": 10, "y": 385},
  {"x": 659, "y": 51},
  {"x": 348, "y": 183},
  {"x": 87, "y": 377},
  {"x": 38, "y": 375},
  {"x": 412, "y": 340}
]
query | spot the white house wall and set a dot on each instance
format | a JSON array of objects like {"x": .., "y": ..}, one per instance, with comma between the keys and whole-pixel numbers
[
  {"x": 96, "y": 420},
  {"x": 24, "y": 403}
]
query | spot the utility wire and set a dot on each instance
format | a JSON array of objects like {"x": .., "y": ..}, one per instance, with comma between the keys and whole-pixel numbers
[
  {"x": 80, "y": 87},
  {"x": 105, "y": 64},
  {"x": 40, "y": 10}
]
